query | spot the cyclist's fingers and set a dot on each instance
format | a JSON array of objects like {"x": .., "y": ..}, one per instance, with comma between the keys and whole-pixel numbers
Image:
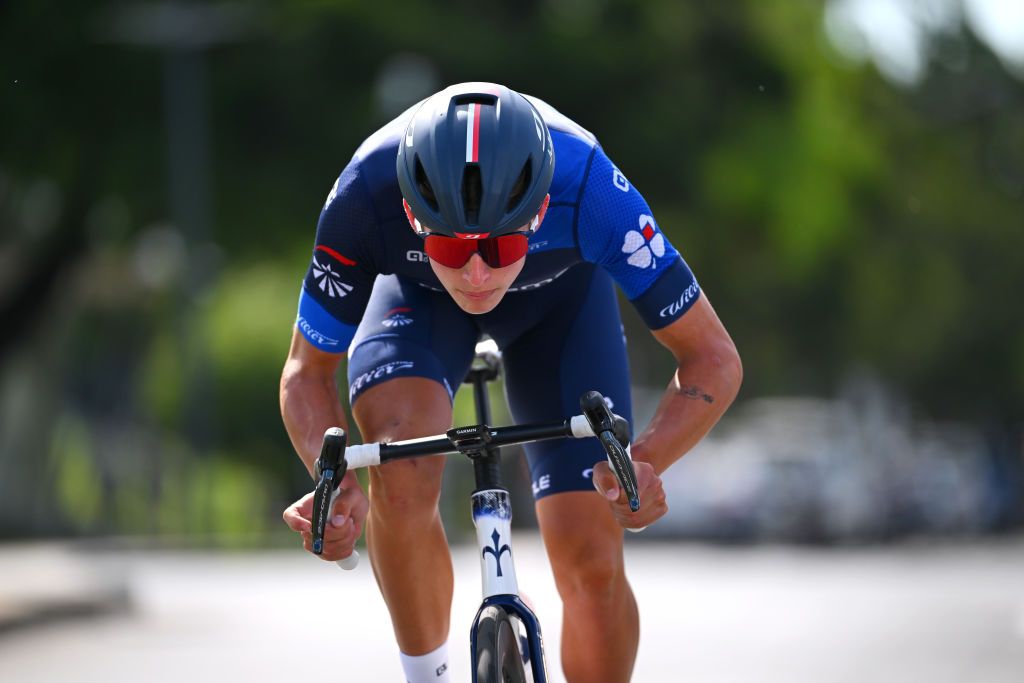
[
  {"x": 332, "y": 550},
  {"x": 605, "y": 482},
  {"x": 646, "y": 477},
  {"x": 340, "y": 531},
  {"x": 337, "y": 550},
  {"x": 349, "y": 501},
  {"x": 654, "y": 491},
  {"x": 650, "y": 511},
  {"x": 294, "y": 519}
]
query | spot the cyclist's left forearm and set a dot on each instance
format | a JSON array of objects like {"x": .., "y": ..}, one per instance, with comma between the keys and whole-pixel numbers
[{"x": 697, "y": 396}]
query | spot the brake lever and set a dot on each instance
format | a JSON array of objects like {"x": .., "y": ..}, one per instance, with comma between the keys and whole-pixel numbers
[
  {"x": 609, "y": 429},
  {"x": 330, "y": 469}
]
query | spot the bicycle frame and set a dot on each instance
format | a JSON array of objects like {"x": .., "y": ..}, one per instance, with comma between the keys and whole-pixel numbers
[
  {"x": 492, "y": 517},
  {"x": 491, "y": 504}
]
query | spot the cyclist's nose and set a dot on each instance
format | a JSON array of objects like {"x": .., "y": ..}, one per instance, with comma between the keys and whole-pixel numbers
[{"x": 476, "y": 273}]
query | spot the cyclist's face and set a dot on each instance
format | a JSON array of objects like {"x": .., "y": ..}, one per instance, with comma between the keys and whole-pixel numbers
[{"x": 476, "y": 287}]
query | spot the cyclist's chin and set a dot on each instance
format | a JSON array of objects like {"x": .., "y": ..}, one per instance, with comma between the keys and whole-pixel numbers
[{"x": 478, "y": 302}]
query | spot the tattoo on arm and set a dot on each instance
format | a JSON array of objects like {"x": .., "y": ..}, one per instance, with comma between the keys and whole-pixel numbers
[{"x": 696, "y": 393}]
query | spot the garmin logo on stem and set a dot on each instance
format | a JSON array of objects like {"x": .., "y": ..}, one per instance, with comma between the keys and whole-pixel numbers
[{"x": 688, "y": 295}]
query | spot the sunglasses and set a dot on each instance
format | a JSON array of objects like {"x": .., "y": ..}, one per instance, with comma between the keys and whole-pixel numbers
[{"x": 496, "y": 252}]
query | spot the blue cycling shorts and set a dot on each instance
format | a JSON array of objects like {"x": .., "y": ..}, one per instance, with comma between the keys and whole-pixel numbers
[{"x": 557, "y": 341}]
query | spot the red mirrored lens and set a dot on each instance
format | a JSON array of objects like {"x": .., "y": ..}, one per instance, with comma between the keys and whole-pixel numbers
[{"x": 497, "y": 252}]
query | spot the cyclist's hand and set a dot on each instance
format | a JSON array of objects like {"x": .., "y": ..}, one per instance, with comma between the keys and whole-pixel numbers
[
  {"x": 648, "y": 484},
  {"x": 345, "y": 527}
]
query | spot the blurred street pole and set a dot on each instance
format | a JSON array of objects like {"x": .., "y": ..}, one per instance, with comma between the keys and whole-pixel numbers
[{"x": 184, "y": 32}]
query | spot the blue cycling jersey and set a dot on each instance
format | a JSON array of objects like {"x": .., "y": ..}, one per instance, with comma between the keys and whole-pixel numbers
[{"x": 595, "y": 216}]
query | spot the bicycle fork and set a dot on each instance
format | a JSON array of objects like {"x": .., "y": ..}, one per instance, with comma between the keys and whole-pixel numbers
[{"x": 492, "y": 517}]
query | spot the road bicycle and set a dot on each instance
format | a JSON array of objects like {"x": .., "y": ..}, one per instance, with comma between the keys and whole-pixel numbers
[{"x": 505, "y": 637}]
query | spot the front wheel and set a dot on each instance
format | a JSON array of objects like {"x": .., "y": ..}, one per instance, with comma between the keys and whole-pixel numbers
[{"x": 498, "y": 659}]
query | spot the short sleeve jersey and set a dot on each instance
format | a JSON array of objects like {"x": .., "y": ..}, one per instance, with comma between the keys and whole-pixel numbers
[{"x": 595, "y": 215}]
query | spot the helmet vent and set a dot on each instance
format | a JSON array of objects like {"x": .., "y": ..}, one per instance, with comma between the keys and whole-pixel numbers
[
  {"x": 472, "y": 192},
  {"x": 520, "y": 187},
  {"x": 478, "y": 98},
  {"x": 423, "y": 185}
]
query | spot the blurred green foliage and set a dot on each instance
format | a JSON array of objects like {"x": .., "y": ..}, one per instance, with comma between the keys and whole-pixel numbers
[{"x": 837, "y": 223}]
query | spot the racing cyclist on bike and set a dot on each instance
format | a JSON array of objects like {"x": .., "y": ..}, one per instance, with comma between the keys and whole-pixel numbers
[{"x": 484, "y": 211}]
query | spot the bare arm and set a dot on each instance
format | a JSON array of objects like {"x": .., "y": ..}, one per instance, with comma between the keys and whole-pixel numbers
[
  {"x": 309, "y": 405},
  {"x": 309, "y": 398},
  {"x": 705, "y": 383}
]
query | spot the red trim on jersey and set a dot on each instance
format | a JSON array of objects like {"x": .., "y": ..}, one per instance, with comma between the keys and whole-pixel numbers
[
  {"x": 400, "y": 309},
  {"x": 336, "y": 255}
]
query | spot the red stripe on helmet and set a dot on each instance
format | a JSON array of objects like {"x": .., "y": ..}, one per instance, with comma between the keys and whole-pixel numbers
[{"x": 476, "y": 132}]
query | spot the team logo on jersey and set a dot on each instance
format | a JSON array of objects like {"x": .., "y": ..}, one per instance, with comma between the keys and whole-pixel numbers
[
  {"x": 329, "y": 281},
  {"x": 619, "y": 180},
  {"x": 645, "y": 246},
  {"x": 314, "y": 334},
  {"x": 543, "y": 483},
  {"x": 416, "y": 256},
  {"x": 395, "y": 318},
  {"x": 688, "y": 295},
  {"x": 378, "y": 372}
]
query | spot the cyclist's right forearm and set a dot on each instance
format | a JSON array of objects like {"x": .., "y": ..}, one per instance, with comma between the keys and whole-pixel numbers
[{"x": 309, "y": 405}]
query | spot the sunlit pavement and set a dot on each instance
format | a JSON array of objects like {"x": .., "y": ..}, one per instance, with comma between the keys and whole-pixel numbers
[{"x": 952, "y": 612}]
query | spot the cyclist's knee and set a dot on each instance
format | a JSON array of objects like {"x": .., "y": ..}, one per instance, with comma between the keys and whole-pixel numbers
[
  {"x": 398, "y": 409},
  {"x": 596, "y": 574},
  {"x": 407, "y": 488},
  {"x": 584, "y": 545},
  {"x": 402, "y": 408}
]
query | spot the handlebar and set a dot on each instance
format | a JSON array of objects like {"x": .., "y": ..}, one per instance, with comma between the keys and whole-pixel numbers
[{"x": 336, "y": 459}]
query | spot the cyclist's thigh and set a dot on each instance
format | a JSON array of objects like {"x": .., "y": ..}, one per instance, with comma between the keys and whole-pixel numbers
[
  {"x": 577, "y": 346},
  {"x": 409, "y": 331},
  {"x": 411, "y": 350}
]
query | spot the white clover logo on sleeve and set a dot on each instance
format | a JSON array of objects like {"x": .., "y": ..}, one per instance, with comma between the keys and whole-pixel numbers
[
  {"x": 644, "y": 246},
  {"x": 328, "y": 281}
]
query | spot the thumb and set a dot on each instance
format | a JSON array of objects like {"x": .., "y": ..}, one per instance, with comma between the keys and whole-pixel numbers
[
  {"x": 605, "y": 482},
  {"x": 340, "y": 511}
]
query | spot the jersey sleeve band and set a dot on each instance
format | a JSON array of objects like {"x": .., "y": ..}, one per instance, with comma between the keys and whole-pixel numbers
[
  {"x": 320, "y": 328},
  {"x": 670, "y": 297}
]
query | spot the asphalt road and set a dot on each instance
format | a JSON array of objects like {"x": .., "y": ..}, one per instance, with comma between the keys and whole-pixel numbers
[{"x": 944, "y": 613}]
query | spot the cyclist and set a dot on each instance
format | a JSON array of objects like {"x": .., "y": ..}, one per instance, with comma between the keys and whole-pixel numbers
[{"x": 481, "y": 210}]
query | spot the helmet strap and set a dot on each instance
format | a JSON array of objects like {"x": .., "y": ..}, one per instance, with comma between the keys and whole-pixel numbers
[
  {"x": 413, "y": 221},
  {"x": 539, "y": 218}
]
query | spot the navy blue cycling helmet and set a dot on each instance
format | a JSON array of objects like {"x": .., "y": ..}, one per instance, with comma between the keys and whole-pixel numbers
[{"x": 476, "y": 161}]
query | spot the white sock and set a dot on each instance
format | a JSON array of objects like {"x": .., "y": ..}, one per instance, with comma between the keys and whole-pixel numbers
[{"x": 429, "y": 668}]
